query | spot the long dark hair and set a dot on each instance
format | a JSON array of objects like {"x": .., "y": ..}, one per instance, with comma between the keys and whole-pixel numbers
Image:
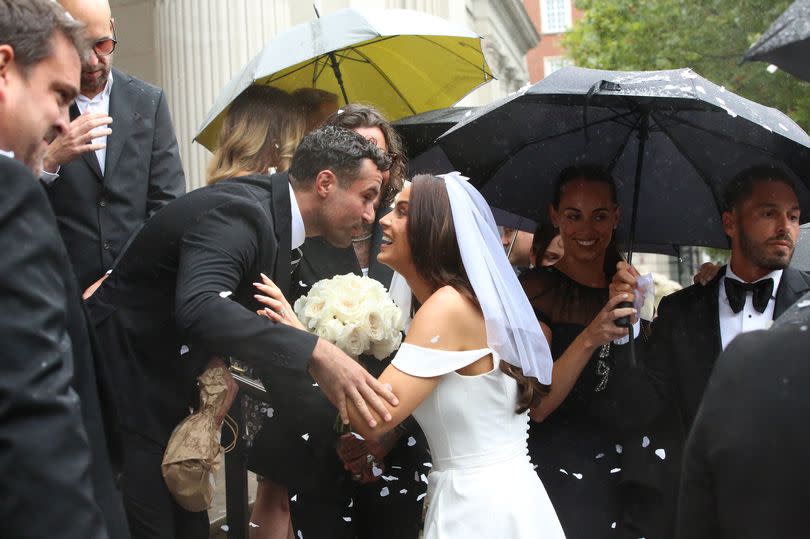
[
  {"x": 596, "y": 174},
  {"x": 437, "y": 260}
]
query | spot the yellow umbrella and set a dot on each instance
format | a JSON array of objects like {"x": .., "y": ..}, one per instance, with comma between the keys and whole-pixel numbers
[{"x": 403, "y": 62}]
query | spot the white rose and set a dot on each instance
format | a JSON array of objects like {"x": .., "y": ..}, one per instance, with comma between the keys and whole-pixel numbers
[
  {"x": 354, "y": 341},
  {"x": 384, "y": 348}
]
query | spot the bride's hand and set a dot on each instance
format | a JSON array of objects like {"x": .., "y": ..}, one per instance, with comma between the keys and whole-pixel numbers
[{"x": 277, "y": 308}]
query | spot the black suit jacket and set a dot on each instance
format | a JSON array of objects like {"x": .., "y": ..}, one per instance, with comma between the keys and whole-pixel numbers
[
  {"x": 97, "y": 213},
  {"x": 53, "y": 452},
  {"x": 746, "y": 469},
  {"x": 186, "y": 282},
  {"x": 676, "y": 362}
]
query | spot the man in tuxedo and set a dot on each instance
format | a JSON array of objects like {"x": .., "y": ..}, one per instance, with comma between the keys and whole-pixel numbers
[
  {"x": 183, "y": 293},
  {"x": 55, "y": 437},
  {"x": 746, "y": 471},
  {"x": 761, "y": 218},
  {"x": 118, "y": 163}
]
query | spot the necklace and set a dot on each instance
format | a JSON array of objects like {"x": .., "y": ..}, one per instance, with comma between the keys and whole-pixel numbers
[{"x": 364, "y": 238}]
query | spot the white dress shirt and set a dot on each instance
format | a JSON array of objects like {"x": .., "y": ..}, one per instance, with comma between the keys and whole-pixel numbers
[
  {"x": 748, "y": 319},
  {"x": 100, "y": 103},
  {"x": 299, "y": 234},
  {"x": 10, "y": 155}
]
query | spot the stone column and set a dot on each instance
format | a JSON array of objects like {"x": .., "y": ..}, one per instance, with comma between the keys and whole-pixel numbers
[{"x": 201, "y": 45}]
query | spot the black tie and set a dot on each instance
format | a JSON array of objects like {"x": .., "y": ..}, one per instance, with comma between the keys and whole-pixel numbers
[{"x": 736, "y": 290}]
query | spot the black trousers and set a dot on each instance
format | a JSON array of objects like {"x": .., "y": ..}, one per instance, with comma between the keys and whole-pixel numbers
[{"x": 152, "y": 513}]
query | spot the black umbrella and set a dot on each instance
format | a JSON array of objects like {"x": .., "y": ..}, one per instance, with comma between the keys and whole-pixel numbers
[
  {"x": 670, "y": 138},
  {"x": 787, "y": 42},
  {"x": 801, "y": 256},
  {"x": 420, "y": 131}
]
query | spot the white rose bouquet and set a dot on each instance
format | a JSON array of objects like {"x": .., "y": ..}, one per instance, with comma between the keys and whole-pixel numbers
[{"x": 355, "y": 313}]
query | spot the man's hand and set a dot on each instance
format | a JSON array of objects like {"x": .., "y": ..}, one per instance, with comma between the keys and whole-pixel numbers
[
  {"x": 706, "y": 273},
  {"x": 342, "y": 379},
  {"x": 77, "y": 140}
]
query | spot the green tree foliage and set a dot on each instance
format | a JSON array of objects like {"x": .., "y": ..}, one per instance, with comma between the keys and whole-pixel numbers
[{"x": 710, "y": 36}]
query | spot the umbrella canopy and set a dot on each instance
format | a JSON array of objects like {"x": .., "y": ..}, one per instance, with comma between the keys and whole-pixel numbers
[
  {"x": 787, "y": 42},
  {"x": 801, "y": 256},
  {"x": 670, "y": 138},
  {"x": 403, "y": 62},
  {"x": 420, "y": 131}
]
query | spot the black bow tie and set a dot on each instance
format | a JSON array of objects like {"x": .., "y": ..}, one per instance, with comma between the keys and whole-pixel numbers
[{"x": 736, "y": 290}]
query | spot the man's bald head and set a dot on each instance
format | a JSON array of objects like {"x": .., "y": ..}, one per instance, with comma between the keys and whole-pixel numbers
[{"x": 99, "y": 26}]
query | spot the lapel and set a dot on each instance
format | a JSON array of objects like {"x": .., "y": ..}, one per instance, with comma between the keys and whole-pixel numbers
[
  {"x": 703, "y": 318},
  {"x": 123, "y": 110},
  {"x": 89, "y": 157},
  {"x": 282, "y": 228},
  {"x": 792, "y": 286}
]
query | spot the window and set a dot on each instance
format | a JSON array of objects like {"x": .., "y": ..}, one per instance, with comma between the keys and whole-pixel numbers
[
  {"x": 555, "y": 16},
  {"x": 553, "y": 63}
]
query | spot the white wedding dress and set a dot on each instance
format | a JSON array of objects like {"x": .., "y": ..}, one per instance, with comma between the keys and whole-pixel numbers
[{"x": 482, "y": 484}]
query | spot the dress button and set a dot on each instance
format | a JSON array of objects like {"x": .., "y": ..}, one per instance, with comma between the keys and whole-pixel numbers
[{"x": 106, "y": 245}]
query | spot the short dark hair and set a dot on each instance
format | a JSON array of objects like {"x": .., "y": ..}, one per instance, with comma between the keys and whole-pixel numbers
[
  {"x": 588, "y": 172},
  {"x": 358, "y": 115},
  {"x": 337, "y": 149},
  {"x": 29, "y": 27},
  {"x": 740, "y": 187}
]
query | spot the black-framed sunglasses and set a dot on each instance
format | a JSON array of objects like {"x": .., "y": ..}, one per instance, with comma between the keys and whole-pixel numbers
[{"x": 106, "y": 45}]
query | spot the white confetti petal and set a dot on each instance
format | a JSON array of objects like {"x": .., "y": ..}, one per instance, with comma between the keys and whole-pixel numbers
[
  {"x": 302, "y": 284},
  {"x": 224, "y": 527},
  {"x": 403, "y": 491},
  {"x": 661, "y": 453},
  {"x": 419, "y": 498},
  {"x": 700, "y": 89},
  {"x": 294, "y": 498},
  {"x": 803, "y": 304},
  {"x": 411, "y": 441},
  {"x": 424, "y": 479},
  {"x": 600, "y": 455},
  {"x": 390, "y": 478},
  {"x": 347, "y": 519},
  {"x": 434, "y": 339},
  {"x": 351, "y": 502},
  {"x": 645, "y": 442},
  {"x": 771, "y": 68},
  {"x": 315, "y": 384},
  {"x": 428, "y": 464},
  {"x": 563, "y": 471},
  {"x": 577, "y": 475},
  {"x": 252, "y": 525},
  {"x": 396, "y": 467},
  {"x": 225, "y": 293},
  {"x": 358, "y": 436},
  {"x": 416, "y": 476},
  {"x": 613, "y": 526},
  {"x": 375, "y": 471},
  {"x": 384, "y": 492},
  {"x": 615, "y": 470},
  {"x": 300, "y": 535},
  {"x": 619, "y": 449},
  {"x": 270, "y": 412},
  {"x": 183, "y": 350},
  {"x": 305, "y": 437}
]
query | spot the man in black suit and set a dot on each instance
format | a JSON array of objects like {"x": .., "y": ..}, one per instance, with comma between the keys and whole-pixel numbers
[
  {"x": 183, "y": 293},
  {"x": 118, "y": 163},
  {"x": 55, "y": 441},
  {"x": 761, "y": 218},
  {"x": 746, "y": 471}
]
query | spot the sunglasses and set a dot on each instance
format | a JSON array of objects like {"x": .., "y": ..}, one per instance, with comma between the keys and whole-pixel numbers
[{"x": 106, "y": 45}]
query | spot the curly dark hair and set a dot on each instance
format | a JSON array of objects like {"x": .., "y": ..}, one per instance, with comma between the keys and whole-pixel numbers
[
  {"x": 740, "y": 187},
  {"x": 29, "y": 27},
  {"x": 357, "y": 115},
  {"x": 437, "y": 259},
  {"x": 337, "y": 149}
]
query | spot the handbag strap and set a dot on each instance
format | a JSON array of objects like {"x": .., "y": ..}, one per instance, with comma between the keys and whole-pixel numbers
[{"x": 231, "y": 424}]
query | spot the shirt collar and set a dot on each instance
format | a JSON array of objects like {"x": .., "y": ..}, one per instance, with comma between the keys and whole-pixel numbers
[
  {"x": 299, "y": 234},
  {"x": 104, "y": 94},
  {"x": 776, "y": 275},
  {"x": 8, "y": 154}
]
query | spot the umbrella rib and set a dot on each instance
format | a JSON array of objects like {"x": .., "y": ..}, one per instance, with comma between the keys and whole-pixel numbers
[
  {"x": 623, "y": 147},
  {"x": 386, "y": 79},
  {"x": 703, "y": 176}
]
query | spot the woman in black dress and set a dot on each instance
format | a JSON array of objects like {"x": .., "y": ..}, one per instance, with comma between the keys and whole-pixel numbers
[{"x": 574, "y": 449}]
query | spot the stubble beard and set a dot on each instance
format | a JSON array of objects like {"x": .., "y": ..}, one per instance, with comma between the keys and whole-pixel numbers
[{"x": 757, "y": 253}]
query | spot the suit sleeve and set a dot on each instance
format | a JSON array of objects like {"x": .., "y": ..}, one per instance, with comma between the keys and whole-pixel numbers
[
  {"x": 166, "y": 178},
  {"x": 44, "y": 452},
  {"x": 215, "y": 256},
  {"x": 639, "y": 394}
]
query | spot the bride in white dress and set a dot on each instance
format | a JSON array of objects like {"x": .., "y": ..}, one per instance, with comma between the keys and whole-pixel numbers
[{"x": 460, "y": 371}]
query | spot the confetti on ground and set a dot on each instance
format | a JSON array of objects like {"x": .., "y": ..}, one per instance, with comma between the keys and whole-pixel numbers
[
  {"x": 411, "y": 441},
  {"x": 305, "y": 437},
  {"x": 771, "y": 68},
  {"x": 615, "y": 470},
  {"x": 224, "y": 527},
  {"x": 419, "y": 498},
  {"x": 577, "y": 475},
  {"x": 403, "y": 491},
  {"x": 384, "y": 492},
  {"x": 434, "y": 339},
  {"x": 375, "y": 471},
  {"x": 225, "y": 294},
  {"x": 662, "y": 454},
  {"x": 563, "y": 471},
  {"x": 600, "y": 455},
  {"x": 619, "y": 449},
  {"x": 294, "y": 498},
  {"x": 645, "y": 442}
]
